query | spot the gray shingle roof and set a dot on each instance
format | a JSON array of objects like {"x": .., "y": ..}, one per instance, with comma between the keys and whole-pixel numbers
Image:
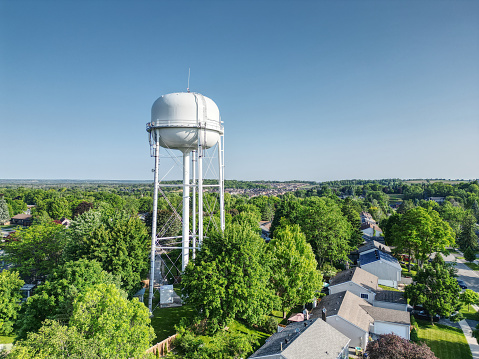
[
  {"x": 390, "y": 296},
  {"x": 316, "y": 340},
  {"x": 388, "y": 315},
  {"x": 348, "y": 306},
  {"x": 373, "y": 245},
  {"x": 358, "y": 276}
]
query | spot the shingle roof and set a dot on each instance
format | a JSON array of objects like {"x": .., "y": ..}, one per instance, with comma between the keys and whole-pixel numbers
[
  {"x": 358, "y": 276},
  {"x": 348, "y": 306},
  {"x": 22, "y": 216},
  {"x": 378, "y": 255},
  {"x": 388, "y": 315},
  {"x": 373, "y": 245},
  {"x": 390, "y": 296},
  {"x": 316, "y": 340}
]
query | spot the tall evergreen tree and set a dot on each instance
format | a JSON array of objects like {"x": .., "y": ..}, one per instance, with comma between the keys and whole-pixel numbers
[{"x": 4, "y": 213}]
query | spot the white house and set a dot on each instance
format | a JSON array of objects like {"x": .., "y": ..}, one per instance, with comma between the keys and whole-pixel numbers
[
  {"x": 382, "y": 265},
  {"x": 357, "y": 281}
]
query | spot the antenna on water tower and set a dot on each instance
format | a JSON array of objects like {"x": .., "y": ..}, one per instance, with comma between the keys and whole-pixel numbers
[
  {"x": 189, "y": 72},
  {"x": 190, "y": 123}
]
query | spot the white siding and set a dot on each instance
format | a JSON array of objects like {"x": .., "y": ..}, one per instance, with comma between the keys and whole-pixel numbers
[
  {"x": 401, "y": 330},
  {"x": 353, "y": 288},
  {"x": 358, "y": 336},
  {"x": 384, "y": 271}
]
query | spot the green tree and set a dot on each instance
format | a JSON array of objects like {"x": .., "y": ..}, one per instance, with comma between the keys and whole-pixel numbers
[
  {"x": 435, "y": 289},
  {"x": 37, "y": 250},
  {"x": 230, "y": 278},
  {"x": 326, "y": 229},
  {"x": 469, "y": 297},
  {"x": 119, "y": 241},
  {"x": 351, "y": 212},
  {"x": 121, "y": 327},
  {"x": 470, "y": 254},
  {"x": 467, "y": 237},
  {"x": 422, "y": 232},
  {"x": 294, "y": 274},
  {"x": 168, "y": 224},
  {"x": 289, "y": 208},
  {"x": 454, "y": 215},
  {"x": 58, "y": 208},
  {"x": 54, "y": 340},
  {"x": 54, "y": 299},
  {"x": 10, "y": 284},
  {"x": 4, "y": 213}
]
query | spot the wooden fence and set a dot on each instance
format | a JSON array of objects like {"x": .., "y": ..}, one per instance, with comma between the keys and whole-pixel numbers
[{"x": 162, "y": 347}]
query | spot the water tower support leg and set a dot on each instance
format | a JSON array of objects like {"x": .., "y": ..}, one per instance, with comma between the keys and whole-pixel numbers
[
  {"x": 185, "y": 252},
  {"x": 153, "y": 229}
]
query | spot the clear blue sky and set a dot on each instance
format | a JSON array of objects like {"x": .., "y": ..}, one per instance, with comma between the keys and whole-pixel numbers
[{"x": 311, "y": 90}]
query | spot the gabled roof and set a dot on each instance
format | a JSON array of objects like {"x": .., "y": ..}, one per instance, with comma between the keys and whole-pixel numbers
[
  {"x": 370, "y": 225},
  {"x": 347, "y": 306},
  {"x": 388, "y": 315},
  {"x": 376, "y": 256},
  {"x": 316, "y": 339},
  {"x": 390, "y": 296},
  {"x": 356, "y": 275},
  {"x": 373, "y": 245},
  {"x": 22, "y": 216}
]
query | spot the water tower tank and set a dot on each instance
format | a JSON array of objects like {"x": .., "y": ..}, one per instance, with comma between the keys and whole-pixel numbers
[{"x": 177, "y": 117}]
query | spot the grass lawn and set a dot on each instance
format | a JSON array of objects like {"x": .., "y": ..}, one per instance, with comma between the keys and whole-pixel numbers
[
  {"x": 261, "y": 337},
  {"x": 445, "y": 341},
  {"x": 6, "y": 340},
  {"x": 468, "y": 313},
  {"x": 473, "y": 266},
  {"x": 405, "y": 273},
  {"x": 385, "y": 287},
  {"x": 165, "y": 319}
]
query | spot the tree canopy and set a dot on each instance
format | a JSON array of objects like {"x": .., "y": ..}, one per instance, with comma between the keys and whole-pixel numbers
[
  {"x": 10, "y": 284},
  {"x": 230, "y": 278},
  {"x": 296, "y": 279},
  {"x": 391, "y": 346}
]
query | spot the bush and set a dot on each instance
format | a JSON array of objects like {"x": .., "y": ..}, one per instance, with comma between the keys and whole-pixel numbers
[
  {"x": 414, "y": 337},
  {"x": 414, "y": 323},
  {"x": 469, "y": 254},
  {"x": 269, "y": 325}
]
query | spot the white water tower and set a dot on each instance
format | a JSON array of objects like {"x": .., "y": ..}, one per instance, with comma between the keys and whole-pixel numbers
[{"x": 189, "y": 123}]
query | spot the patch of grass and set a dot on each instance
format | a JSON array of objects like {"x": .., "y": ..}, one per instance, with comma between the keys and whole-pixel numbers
[
  {"x": 260, "y": 336},
  {"x": 473, "y": 266},
  {"x": 445, "y": 341},
  {"x": 6, "y": 339},
  {"x": 405, "y": 273},
  {"x": 385, "y": 287},
  {"x": 165, "y": 319},
  {"x": 469, "y": 313}
]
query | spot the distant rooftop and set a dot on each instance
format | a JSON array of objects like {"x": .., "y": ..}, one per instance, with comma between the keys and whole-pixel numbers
[
  {"x": 378, "y": 255},
  {"x": 356, "y": 275}
]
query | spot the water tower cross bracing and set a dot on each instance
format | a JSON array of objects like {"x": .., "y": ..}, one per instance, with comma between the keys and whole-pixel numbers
[{"x": 191, "y": 124}]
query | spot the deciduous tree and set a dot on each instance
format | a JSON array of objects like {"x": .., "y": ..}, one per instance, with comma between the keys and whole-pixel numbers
[
  {"x": 294, "y": 268},
  {"x": 435, "y": 289},
  {"x": 391, "y": 346},
  {"x": 469, "y": 297},
  {"x": 10, "y": 284},
  {"x": 230, "y": 278}
]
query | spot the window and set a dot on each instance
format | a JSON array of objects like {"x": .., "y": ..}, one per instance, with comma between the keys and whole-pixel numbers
[{"x": 364, "y": 296}]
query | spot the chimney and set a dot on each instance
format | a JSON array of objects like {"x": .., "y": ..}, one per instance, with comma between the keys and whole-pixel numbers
[{"x": 323, "y": 314}]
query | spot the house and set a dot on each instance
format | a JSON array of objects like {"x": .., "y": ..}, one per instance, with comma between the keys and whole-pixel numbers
[
  {"x": 383, "y": 265},
  {"x": 22, "y": 219},
  {"x": 305, "y": 340},
  {"x": 370, "y": 229},
  {"x": 357, "y": 281},
  {"x": 436, "y": 199},
  {"x": 366, "y": 218},
  {"x": 265, "y": 227},
  {"x": 367, "y": 247},
  {"x": 390, "y": 299},
  {"x": 358, "y": 319},
  {"x": 388, "y": 321},
  {"x": 343, "y": 311}
]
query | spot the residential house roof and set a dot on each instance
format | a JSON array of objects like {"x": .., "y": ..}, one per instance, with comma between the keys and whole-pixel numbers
[
  {"x": 348, "y": 306},
  {"x": 316, "y": 339},
  {"x": 390, "y": 296},
  {"x": 373, "y": 245},
  {"x": 22, "y": 216},
  {"x": 370, "y": 225},
  {"x": 388, "y": 315},
  {"x": 376, "y": 256},
  {"x": 358, "y": 276}
]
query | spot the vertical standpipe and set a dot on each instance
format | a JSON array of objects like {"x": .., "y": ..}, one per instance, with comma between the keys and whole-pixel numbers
[{"x": 185, "y": 243}]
